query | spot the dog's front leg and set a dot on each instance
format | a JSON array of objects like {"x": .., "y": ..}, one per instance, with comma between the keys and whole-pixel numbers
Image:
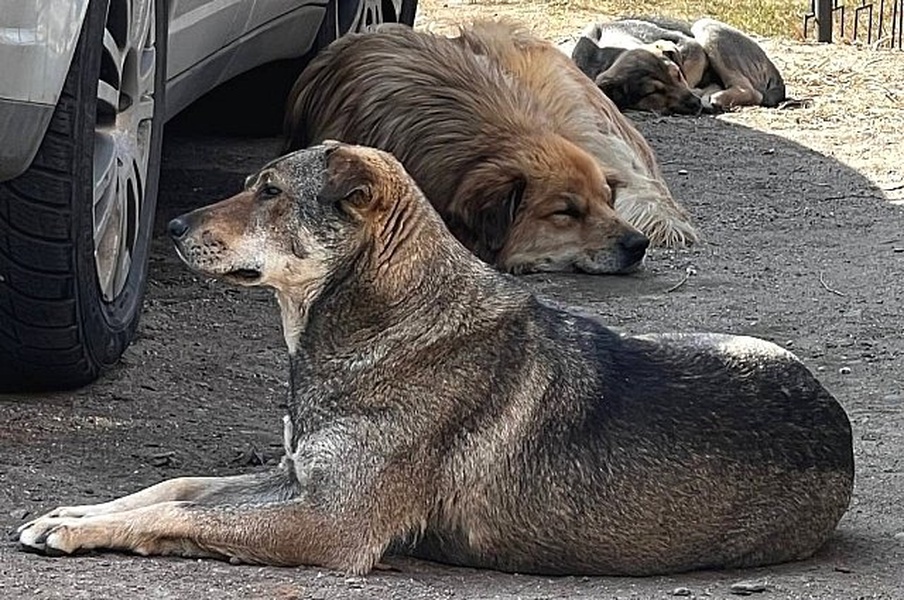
[
  {"x": 282, "y": 533},
  {"x": 257, "y": 487}
]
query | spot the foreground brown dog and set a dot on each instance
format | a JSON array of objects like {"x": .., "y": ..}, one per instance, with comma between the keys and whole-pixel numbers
[
  {"x": 438, "y": 406},
  {"x": 632, "y": 59}
]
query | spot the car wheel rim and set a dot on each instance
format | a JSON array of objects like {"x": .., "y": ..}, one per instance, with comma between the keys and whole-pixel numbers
[
  {"x": 367, "y": 14},
  {"x": 122, "y": 138}
]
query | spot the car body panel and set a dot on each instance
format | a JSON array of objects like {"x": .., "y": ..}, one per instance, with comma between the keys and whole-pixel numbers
[
  {"x": 37, "y": 41},
  {"x": 209, "y": 42},
  {"x": 273, "y": 30}
]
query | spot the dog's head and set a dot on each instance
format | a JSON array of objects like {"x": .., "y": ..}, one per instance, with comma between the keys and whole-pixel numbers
[
  {"x": 646, "y": 79},
  {"x": 547, "y": 207},
  {"x": 301, "y": 220}
]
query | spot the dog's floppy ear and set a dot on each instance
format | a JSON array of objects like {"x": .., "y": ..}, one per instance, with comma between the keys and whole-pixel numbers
[
  {"x": 592, "y": 59},
  {"x": 615, "y": 89},
  {"x": 494, "y": 220},
  {"x": 349, "y": 179},
  {"x": 486, "y": 204}
]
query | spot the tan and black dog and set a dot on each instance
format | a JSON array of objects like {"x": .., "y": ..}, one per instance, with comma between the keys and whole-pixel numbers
[
  {"x": 633, "y": 60},
  {"x": 440, "y": 408}
]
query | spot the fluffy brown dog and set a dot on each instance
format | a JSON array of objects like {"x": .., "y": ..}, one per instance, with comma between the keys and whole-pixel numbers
[
  {"x": 486, "y": 151},
  {"x": 583, "y": 114}
]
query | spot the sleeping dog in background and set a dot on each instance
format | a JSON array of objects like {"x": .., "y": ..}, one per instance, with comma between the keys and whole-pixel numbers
[
  {"x": 530, "y": 165},
  {"x": 487, "y": 154},
  {"x": 721, "y": 65},
  {"x": 584, "y": 115},
  {"x": 551, "y": 445}
]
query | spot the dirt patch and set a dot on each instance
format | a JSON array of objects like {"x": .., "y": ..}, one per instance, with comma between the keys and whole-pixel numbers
[{"x": 800, "y": 247}]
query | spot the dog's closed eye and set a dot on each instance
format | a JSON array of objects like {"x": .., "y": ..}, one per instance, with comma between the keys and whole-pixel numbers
[
  {"x": 569, "y": 209},
  {"x": 571, "y": 212}
]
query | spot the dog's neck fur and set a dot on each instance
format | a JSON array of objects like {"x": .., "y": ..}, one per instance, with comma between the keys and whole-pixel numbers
[{"x": 358, "y": 316}]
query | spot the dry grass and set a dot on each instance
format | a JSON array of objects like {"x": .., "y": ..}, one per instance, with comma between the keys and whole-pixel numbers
[{"x": 783, "y": 18}]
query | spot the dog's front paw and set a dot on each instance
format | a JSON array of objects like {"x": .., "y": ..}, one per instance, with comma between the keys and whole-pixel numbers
[{"x": 56, "y": 536}]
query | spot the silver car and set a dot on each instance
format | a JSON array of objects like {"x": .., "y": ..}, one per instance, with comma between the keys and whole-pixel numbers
[{"x": 86, "y": 87}]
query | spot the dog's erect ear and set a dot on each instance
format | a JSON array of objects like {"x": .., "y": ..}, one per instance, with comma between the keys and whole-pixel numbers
[
  {"x": 349, "y": 179},
  {"x": 592, "y": 59}
]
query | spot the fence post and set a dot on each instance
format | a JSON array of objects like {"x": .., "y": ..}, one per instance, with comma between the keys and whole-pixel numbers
[{"x": 824, "y": 19}]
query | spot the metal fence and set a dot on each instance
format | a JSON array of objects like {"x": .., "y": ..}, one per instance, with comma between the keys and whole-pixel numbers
[{"x": 879, "y": 23}]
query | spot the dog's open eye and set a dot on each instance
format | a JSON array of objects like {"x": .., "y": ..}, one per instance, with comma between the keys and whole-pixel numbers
[{"x": 269, "y": 191}]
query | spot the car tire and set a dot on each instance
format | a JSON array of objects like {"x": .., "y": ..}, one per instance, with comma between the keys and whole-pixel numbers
[
  {"x": 353, "y": 16},
  {"x": 75, "y": 228}
]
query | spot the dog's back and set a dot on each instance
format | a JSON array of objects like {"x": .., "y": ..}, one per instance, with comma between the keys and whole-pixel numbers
[
  {"x": 435, "y": 117},
  {"x": 642, "y": 455},
  {"x": 738, "y": 60}
]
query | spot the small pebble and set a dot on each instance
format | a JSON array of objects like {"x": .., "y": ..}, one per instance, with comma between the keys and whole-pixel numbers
[
  {"x": 844, "y": 370},
  {"x": 682, "y": 171},
  {"x": 681, "y": 591},
  {"x": 900, "y": 536},
  {"x": 745, "y": 588},
  {"x": 355, "y": 582},
  {"x": 19, "y": 514}
]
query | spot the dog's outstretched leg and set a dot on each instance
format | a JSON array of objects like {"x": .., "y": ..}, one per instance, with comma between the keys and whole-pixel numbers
[
  {"x": 256, "y": 487},
  {"x": 279, "y": 533}
]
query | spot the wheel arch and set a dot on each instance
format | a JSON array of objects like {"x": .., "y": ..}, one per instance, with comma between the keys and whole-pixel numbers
[{"x": 34, "y": 68}]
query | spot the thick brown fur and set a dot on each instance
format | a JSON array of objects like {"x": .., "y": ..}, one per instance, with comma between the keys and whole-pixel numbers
[
  {"x": 472, "y": 136},
  {"x": 581, "y": 113},
  {"x": 438, "y": 408},
  {"x": 487, "y": 154}
]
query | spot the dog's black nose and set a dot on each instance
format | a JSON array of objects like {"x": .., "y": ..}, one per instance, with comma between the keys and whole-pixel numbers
[
  {"x": 177, "y": 228},
  {"x": 634, "y": 245}
]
